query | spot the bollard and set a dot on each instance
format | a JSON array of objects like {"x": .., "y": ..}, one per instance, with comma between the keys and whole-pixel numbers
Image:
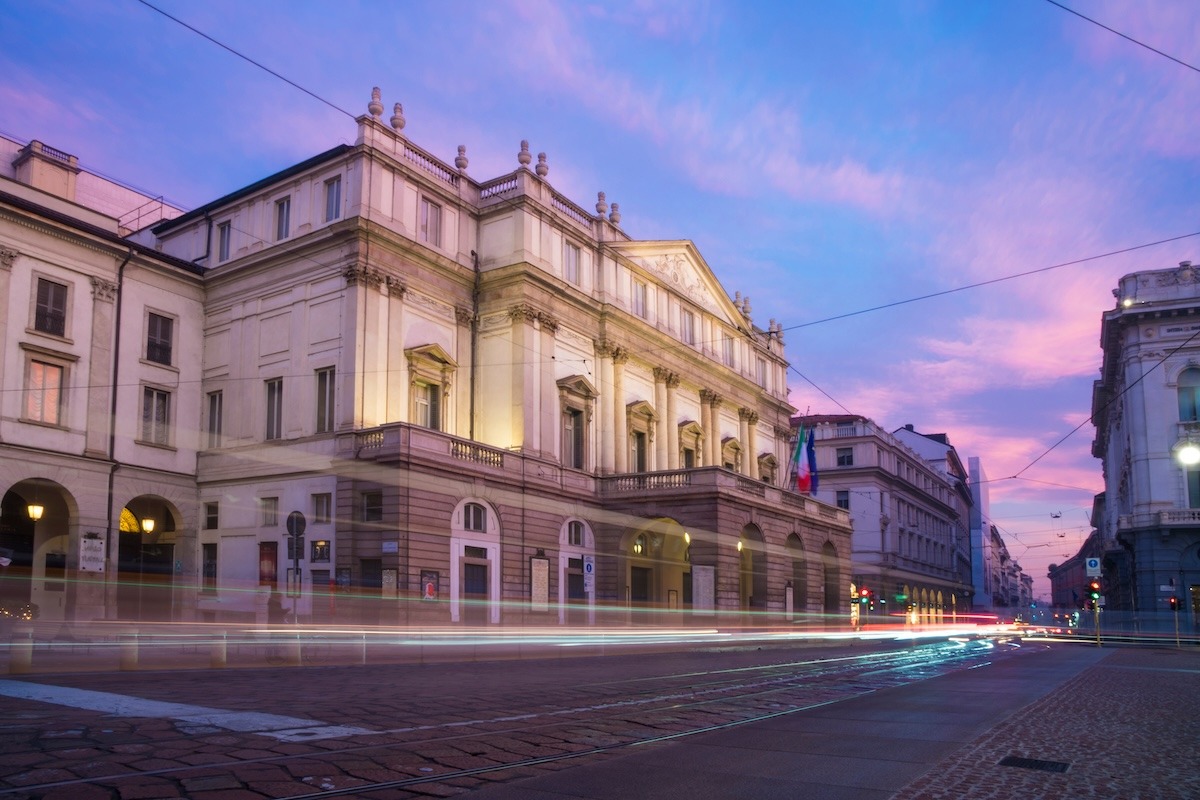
[
  {"x": 293, "y": 651},
  {"x": 129, "y": 651},
  {"x": 219, "y": 655},
  {"x": 20, "y": 654}
]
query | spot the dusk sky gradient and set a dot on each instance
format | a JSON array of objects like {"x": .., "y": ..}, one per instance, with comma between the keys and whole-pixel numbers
[{"x": 826, "y": 158}]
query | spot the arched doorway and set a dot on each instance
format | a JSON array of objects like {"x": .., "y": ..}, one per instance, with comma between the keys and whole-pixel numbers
[
  {"x": 832, "y": 574},
  {"x": 752, "y": 570},
  {"x": 658, "y": 576},
  {"x": 36, "y": 518},
  {"x": 146, "y": 560},
  {"x": 799, "y": 580}
]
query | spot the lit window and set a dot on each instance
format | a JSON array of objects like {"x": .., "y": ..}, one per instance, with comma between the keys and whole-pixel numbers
[
  {"x": 474, "y": 517},
  {"x": 325, "y": 400},
  {"x": 333, "y": 199},
  {"x": 275, "y": 409},
  {"x": 224, "y": 241},
  {"x": 431, "y": 222},
  {"x": 320, "y": 550},
  {"x": 571, "y": 263},
  {"x": 283, "y": 218},
  {"x": 159, "y": 330},
  {"x": 50, "y": 316},
  {"x": 156, "y": 412},
  {"x": 43, "y": 395}
]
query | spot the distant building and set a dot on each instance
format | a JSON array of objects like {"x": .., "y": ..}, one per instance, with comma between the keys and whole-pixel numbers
[
  {"x": 909, "y": 514},
  {"x": 1146, "y": 409},
  {"x": 1001, "y": 586},
  {"x": 378, "y": 382}
]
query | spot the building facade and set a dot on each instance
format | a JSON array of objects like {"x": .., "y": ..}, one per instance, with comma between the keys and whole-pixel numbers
[
  {"x": 909, "y": 519},
  {"x": 1146, "y": 409},
  {"x": 397, "y": 391}
]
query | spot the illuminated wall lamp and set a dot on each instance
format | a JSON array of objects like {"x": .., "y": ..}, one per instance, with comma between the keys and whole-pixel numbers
[
  {"x": 1187, "y": 453},
  {"x": 35, "y": 511}
]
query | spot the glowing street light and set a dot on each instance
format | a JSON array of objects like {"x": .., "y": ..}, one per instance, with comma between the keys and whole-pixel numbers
[{"x": 35, "y": 511}]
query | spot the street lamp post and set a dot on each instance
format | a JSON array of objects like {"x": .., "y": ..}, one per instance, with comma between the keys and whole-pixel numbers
[{"x": 147, "y": 526}]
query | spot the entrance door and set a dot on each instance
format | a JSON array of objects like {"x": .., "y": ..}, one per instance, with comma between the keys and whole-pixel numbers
[
  {"x": 639, "y": 585},
  {"x": 475, "y": 593}
]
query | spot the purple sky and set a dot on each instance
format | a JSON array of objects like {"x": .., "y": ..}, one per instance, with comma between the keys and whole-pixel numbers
[{"x": 826, "y": 158}]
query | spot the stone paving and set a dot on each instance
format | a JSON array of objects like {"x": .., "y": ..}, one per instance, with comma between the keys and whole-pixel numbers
[{"x": 1128, "y": 728}]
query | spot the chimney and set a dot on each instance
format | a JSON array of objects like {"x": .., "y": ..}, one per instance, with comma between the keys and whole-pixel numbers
[{"x": 52, "y": 171}]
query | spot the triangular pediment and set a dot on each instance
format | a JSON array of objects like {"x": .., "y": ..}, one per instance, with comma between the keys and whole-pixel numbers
[
  {"x": 577, "y": 384},
  {"x": 678, "y": 266},
  {"x": 430, "y": 352}
]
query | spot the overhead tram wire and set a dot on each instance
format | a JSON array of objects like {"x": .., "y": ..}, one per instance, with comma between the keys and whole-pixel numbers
[
  {"x": 248, "y": 59},
  {"x": 1124, "y": 36}
]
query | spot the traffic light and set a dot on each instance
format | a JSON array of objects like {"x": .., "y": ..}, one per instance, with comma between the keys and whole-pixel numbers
[
  {"x": 864, "y": 596},
  {"x": 1174, "y": 601},
  {"x": 1093, "y": 593}
]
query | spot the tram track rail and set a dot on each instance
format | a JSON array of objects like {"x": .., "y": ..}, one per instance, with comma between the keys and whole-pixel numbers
[{"x": 666, "y": 707}]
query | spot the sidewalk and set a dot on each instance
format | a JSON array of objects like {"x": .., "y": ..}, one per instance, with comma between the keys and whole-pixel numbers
[{"x": 1125, "y": 722}]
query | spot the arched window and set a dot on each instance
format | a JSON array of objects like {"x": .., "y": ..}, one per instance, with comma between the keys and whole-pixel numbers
[
  {"x": 1189, "y": 395},
  {"x": 474, "y": 517}
]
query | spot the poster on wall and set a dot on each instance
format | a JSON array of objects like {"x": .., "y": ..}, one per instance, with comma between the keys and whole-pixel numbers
[
  {"x": 539, "y": 584},
  {"x": 704, "y": 580},
  {"x": 429, "y": 584},
  {"x": 91, "y": 552}
]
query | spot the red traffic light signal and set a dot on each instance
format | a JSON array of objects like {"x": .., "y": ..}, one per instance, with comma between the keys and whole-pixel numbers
[
  {"x": 1094, "y": 590},
  {"x": 1174, "y": 601}
]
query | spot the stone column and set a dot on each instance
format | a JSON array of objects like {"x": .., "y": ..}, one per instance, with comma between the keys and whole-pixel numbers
[
  {"x": 526, "y": 399},
  {"x": 619, "y": 421},
  {"x": 672, "y": 424},
  {"x": 604, "y": 357},
  {"x": 660, "y": 404},
  {"x": 100, "y": 373},
  {"x": 551, "y": 413},
  {"x": 710, "y": 419},
  {"x": 7, "y": 258},
  {"x": 749, "y": 420}
]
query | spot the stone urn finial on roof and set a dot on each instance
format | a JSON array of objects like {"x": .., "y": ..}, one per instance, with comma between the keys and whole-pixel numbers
[
  {"x": 523, "y": 157},
  {"x": 375, "y": 106},
  {"x": 398, "y": 120}
]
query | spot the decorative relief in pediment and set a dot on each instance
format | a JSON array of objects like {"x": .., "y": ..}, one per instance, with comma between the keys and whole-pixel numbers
[{"x": 677, "y": 271}]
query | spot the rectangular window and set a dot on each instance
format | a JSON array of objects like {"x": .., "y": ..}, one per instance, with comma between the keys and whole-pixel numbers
[
  {"x": 845, "y": 456},
  {"x": 575, "y": 533},
  {"x": 275, "y": 409},
  {"x": 687, "y": 327},
  {"x": 322, "y": 507},
  {"x": 843, "y": 499},
  {"x": 427, "y": 405},
  {"x": 43, "y": 395},
  {"x": 268, "y": 508},
  {"x": 372, "y": 506},
  {"x": 159, "y": 333},
  {"x": 760, "y": 372},
  {"x": 573, "y": 438},
  {"x": 638, "y": 460},
  {"x": 689, "y": 458},
  {"x": 570, "y": 263},
  {"x": 1193, "y": 483},
  {"x": 320, "y": 551},
  {"x": 325, "y": 400},
  {"x": 224, "y": 240},
  {"x": 283, "y": 218},
  {"x": 50, "y": 316},
  {"x": 431, "y": 222},
  {"x": 212, "y": 516},
  {"x": 727, "y": 349},
  {"x": 216, "y": 402},
  {"x": 208, "y": 568},
  {"x": 639, "y": 299},
  {"x": 333, "y": 199},
  {"x": 156, "y": 416}
]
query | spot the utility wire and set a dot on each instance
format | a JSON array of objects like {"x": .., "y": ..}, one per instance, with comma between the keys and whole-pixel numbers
[
  {"x": 1124, "y": 36},
  {"x": 248, "y": 59}
]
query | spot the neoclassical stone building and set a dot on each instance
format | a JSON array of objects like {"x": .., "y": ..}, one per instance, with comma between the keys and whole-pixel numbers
[{"x": 474, "y": 401}]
